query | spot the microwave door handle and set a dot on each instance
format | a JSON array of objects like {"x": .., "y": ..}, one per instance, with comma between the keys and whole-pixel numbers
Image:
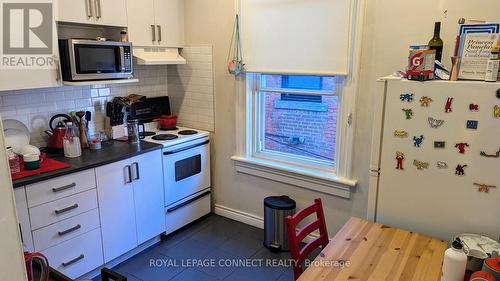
[{"x": 122, "y": 60}]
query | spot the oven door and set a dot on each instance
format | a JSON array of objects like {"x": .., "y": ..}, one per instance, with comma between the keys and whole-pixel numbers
[
  {"x": 186, "y": 171},
  {"x": 93, "y": 60}
]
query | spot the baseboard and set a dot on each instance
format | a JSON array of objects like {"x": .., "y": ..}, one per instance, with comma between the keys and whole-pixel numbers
[{"x": 249, "y": 219}]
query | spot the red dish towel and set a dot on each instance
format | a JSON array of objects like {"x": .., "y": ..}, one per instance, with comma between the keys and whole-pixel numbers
[{"x": 47, "y": 165}]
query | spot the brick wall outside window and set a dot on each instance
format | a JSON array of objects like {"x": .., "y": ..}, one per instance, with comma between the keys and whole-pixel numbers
[{"x": 300, "y": 128}]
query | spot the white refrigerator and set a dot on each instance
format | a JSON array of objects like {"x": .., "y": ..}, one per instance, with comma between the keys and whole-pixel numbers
[
  {"x": 435, "y": 166},
  {"x": 11, "y": 253}
]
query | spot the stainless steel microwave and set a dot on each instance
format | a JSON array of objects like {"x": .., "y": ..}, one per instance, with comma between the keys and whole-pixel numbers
[{"x": 84, "y": 60}]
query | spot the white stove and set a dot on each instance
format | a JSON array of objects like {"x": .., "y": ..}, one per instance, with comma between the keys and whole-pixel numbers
[
  {"x": 186, "y": 173},
  {"x": 174, "y": 138}
]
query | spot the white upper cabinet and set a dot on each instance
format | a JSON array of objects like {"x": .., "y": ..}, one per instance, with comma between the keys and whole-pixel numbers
[
  {"x": 111, "y": 12},
  {"x": 141, "y": 22},
  {"x": 169, "y": 17},
  {"x": 24, "y": 73},
  {"x": 102, "y": 12},
  {"x": 156, "y": 23}
]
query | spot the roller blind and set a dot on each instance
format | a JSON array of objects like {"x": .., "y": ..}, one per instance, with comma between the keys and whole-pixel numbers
[{"x": 296, "y": 36}]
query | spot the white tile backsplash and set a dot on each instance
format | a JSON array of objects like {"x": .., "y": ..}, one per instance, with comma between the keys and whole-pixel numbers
[{"x": 190, "y": 88}]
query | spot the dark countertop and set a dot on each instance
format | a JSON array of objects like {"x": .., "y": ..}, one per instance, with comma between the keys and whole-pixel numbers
[{"x": 112, "y": 151}]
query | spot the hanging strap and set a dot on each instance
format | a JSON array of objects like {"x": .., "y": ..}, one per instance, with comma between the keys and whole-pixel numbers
[{"x": 235, "y": 46}]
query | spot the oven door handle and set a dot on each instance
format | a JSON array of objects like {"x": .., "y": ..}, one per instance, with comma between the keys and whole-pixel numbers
[
  {"x": 170, "y": 210},
  {"x": 185, "y": 148}
]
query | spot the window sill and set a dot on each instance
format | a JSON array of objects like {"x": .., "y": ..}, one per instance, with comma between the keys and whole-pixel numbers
[{"x": 312, "y": 179}]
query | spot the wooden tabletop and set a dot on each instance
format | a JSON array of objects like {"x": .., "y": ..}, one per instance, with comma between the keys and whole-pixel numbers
[{"x": 372, "y": 251}]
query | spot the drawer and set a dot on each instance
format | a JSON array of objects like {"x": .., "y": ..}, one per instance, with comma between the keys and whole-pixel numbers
[
  {"x": 61, "y": 209},
  {"x": 77, "y": 256},
  {"x": 187, "y": 211},
  {"x": 64, "y": 230},
  {"x": 53, "y": 189}
]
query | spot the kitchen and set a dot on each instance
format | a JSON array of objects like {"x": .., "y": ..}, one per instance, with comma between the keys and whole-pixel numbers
[{"x": 205, "y": 97}]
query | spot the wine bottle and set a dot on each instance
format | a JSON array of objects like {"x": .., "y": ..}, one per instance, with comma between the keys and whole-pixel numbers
[{"x": 436, "y": 42}]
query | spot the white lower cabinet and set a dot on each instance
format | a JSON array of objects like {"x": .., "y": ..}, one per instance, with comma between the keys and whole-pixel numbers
[
  {"x": 131, "y": 202},
  {"x": 84, "y": 220},
  {"x": 24, "y": 218},
  {"x": 77, "y": 256},
  {"x": 65, "y": 230},
  {"x": 148, "y": 196},
  {"x": 116, "y": 208}
]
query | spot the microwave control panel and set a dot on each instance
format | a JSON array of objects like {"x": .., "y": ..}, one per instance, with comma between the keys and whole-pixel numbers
[{"x": 128, "y": 59}]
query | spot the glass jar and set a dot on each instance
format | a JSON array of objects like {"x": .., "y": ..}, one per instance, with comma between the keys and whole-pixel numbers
[
  {"x": 14, "y": 161},
  {"x": 71, "y": 142}
]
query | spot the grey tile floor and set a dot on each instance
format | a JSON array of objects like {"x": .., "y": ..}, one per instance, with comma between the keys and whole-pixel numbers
[{"x": 213, "y": 239}]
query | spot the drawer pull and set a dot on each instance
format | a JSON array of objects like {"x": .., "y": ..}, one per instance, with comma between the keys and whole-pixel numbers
[
  {"x": 68, "y": 263},
  {"x": 57, "y": 189},
  {"x": 58, "y": 212},
  {"x": 76, "y": 227}
]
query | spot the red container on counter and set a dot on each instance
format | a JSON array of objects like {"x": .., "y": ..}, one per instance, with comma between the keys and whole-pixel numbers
[
  {"x": 167, "y": 122},
  {"x": 482, "y": 276}
]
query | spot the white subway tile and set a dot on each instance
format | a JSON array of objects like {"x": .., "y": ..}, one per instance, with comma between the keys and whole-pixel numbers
[
  {"x": 12, "y": 100},
  {"x": 103, "y": 92}
]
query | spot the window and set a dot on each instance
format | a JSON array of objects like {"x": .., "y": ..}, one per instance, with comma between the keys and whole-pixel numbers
[{"x": 296, "y": 119}]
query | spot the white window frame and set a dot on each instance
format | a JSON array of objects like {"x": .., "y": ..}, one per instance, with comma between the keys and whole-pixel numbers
[
  {"x": 258, "y": 151},
  {"x": 337, "y": 181}
]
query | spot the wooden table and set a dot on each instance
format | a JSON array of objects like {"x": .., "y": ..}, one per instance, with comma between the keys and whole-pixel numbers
[{"x": 374, "y": 251}]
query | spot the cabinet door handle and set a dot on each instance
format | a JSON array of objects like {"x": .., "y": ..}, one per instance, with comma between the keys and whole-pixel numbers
[
  {"x": 129, "y": 172},
  {"x": 153, "y": 32},
  {"x": 68, "y": 263},
  {"x": 137, "y": 176},
  {"x": 64, "y": 187},
  {"x": 69, "y": 230},
  {"x": 88, "y": 9},
  {"x": 58, "y": 69},
  {"x": 64, "y": 210},
  {"x": 98, "y": 9},
  {"x": 159, "y": 33}
]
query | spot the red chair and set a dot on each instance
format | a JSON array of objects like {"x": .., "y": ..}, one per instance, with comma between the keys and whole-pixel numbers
[{"x": 295, "y": 237}]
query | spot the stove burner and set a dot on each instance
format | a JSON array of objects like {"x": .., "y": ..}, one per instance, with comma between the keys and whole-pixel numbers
[
  {"x": 147, "y": 134},
  {"x": 173, "y": 129},
  {"x": 164, "y": 137},
  {"x": 187, "y": 132}
]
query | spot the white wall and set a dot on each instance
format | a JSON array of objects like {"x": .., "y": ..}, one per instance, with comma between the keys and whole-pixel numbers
[
  {"x": 211, "y": 22},
  {"x": 390, "y": 27}
]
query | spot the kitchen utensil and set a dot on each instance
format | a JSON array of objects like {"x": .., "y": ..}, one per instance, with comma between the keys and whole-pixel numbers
[
  {"x": 88, "y": 117},
  {"x": 492, "y": 266},
  {"x": 83, "y": 135},
  {"x": 167, "y": 122},
  {"x": 477, "y": 248},
  {"x": 133, "y": 131},
  {"x": 43, "y": 265},
  {"x": 31, "y": 161},
  {"x": 29, "y": 149}
]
